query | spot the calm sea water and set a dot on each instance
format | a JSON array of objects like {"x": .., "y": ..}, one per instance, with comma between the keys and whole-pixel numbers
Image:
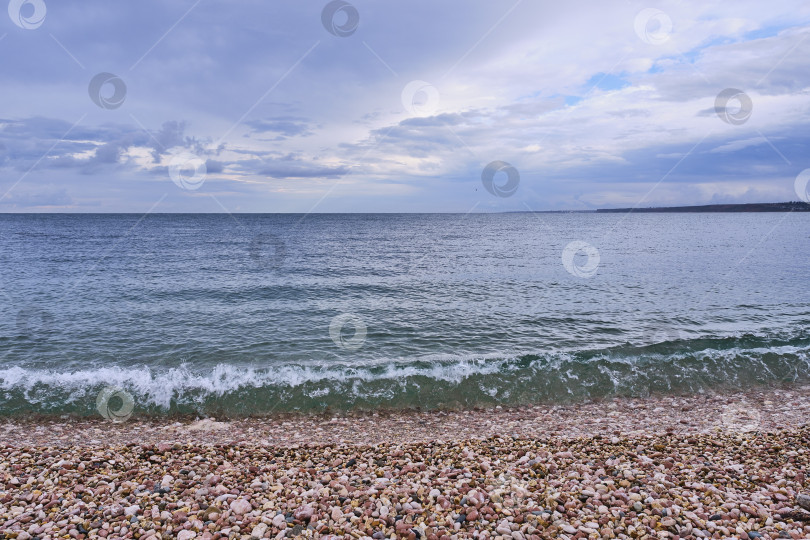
[{"x": 259, "y": 313}]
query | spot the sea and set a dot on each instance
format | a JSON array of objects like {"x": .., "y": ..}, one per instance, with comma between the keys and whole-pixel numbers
[{"x": 251, "y": 314}]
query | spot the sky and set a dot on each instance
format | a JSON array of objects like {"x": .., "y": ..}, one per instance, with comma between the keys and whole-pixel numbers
[{"x": 372, "y": 106}]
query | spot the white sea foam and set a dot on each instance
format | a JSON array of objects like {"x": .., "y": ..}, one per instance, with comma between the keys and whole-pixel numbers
[
  {"x": 159, "y": 386},
  {"x": 494, "y": 375}
]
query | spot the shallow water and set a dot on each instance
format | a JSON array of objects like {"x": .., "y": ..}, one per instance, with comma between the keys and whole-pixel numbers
[{"x": 217, "y": 313}]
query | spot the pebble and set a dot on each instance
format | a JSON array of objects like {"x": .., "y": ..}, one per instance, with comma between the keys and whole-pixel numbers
[
  {"x": 259, "y": 530},
  {"x": 646, "y": 484},
  {"x": 279, "y": 521},
  {"x": 240, "y": 507},
  {"x": 304, "y": 513}
]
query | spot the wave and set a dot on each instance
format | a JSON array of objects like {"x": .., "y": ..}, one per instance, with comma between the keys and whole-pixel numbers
[{"x": 674, "y": 366}]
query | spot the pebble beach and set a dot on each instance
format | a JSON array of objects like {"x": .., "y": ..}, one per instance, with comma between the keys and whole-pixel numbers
[{"x": 712, "y": 466}]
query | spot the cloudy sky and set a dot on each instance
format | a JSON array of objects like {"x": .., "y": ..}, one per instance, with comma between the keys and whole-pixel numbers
[{"x": 298, "y": 106}]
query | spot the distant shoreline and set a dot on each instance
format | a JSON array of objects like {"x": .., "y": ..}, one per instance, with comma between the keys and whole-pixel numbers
[
  {"x": 709, "y": 208},
  {"x": 752, "y": 207}
]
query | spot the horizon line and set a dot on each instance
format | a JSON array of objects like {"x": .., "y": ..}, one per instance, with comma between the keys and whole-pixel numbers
[{"x": 580, "y": 211}]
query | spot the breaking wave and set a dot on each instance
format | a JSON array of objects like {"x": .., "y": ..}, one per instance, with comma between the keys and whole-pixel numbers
[{"x": 677, "y": 366}]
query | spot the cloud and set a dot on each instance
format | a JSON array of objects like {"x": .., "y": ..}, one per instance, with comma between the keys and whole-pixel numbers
[
  {"x": 26, "y": 200},
  {"x": 587, "y": 111},
  {"x": 212, "y": 166},
  {"x": 171, "y": 135},
  {"x": 283, "y": 126},
  {"x": 303, "y": 172}
]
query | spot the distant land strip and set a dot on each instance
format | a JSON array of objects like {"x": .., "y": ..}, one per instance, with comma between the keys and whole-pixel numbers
[{"x": 753, "y": 207}]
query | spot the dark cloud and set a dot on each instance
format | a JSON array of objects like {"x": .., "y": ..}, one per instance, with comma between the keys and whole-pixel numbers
[
  {"x": 282, "y": 171},
  {"x": 213, "y": 166},
  {"x": 437, "y": 120},
  {"x": 172, "y": 135},
  {"x": 283, "y": 126},
  {"x": 54, "y": 143}
]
